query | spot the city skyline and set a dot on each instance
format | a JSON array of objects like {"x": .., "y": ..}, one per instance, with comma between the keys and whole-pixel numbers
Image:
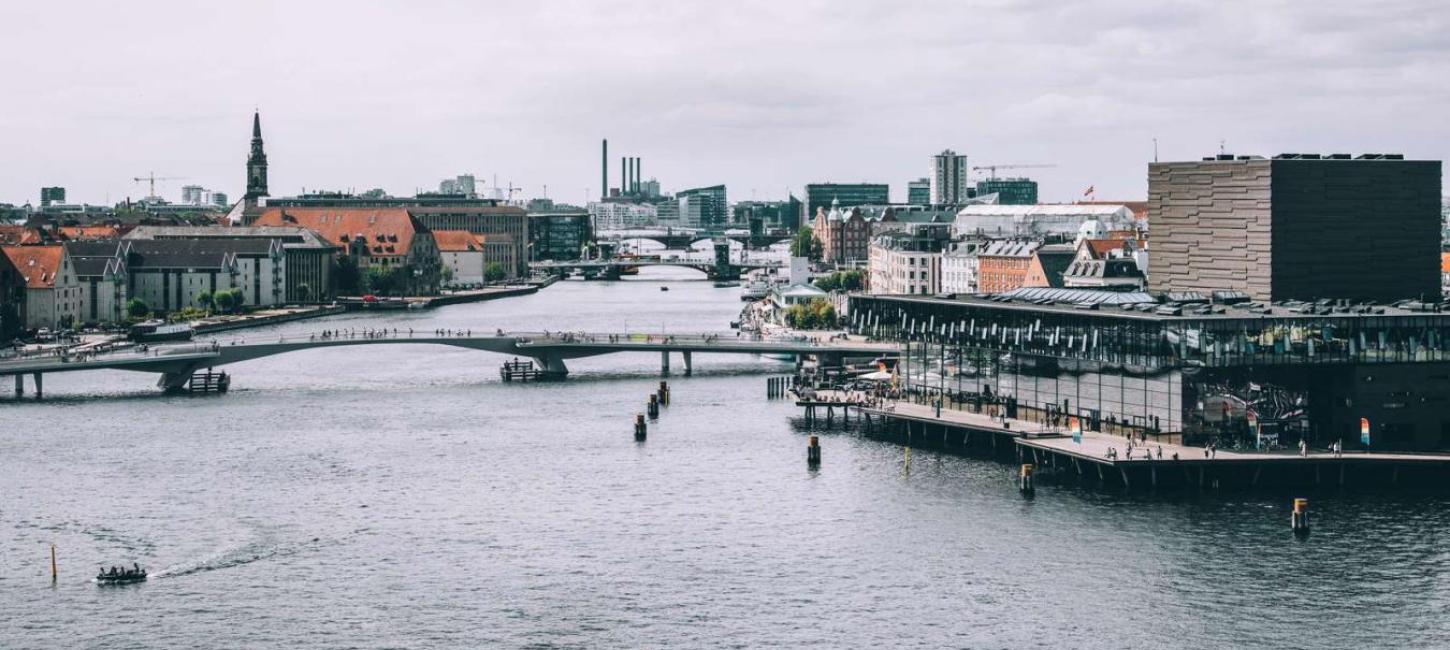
[{"x": 416, "y": 98}]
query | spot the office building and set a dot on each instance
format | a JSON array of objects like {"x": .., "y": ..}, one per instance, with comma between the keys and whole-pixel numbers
[
  {"x": 1297, "y": 227},
  {"x": 820, "y": 196},
  {"x": 1009, "y": 191},
  {"x": 49, "y": 195},
  {"x": 559, "y": 235},
  {"x": 1238, "y": 375},
  {"x": 918, "y": 192},
  {"x": 948, "y": 178},
  {"x": 702, "y": 207}
]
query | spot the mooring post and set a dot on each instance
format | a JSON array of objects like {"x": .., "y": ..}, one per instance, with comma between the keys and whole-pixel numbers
[
  {"x": 653, "y": 406},
  {"x": 813, "y": 452},
  {"x": 640, "y": 428},
  {"x": 1024, "y": 479},
  {"x": 664, "y": 393},
  {"x": 1299, "y": 520},
  {"x": 54, "y": 571}
]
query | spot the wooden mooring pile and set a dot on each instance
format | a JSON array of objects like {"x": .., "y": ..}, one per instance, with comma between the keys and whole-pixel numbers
[
  {"x": 521, "y": 371},
  {"x": 208, "y": 382}
]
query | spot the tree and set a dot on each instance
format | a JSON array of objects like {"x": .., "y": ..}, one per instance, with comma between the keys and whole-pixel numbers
[
  {"x": 382, "y": 279},
  {"x": 851, "y": 280},
  {"x": 494, "y": 272},
  {"x": 349, "y": 279},
  {"x": 804, "y": 244},
  {"x": 205, "y": 300},
  {"x": 816, "y": 314},
  {"x": 225, "y": 300},
  {"x": 137, "y": 308}
]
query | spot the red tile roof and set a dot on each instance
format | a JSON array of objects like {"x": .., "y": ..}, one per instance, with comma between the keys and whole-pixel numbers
[
  {"x": 455, "y": 241},
  {"x": 90, "y": 233},
  {"x": 15, "y": 235},
  {"x": 37, "y": 264},
  {"x": 386, "y": 231}
]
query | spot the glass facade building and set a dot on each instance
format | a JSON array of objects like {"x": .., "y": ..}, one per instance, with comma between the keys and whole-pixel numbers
[{"x": 1193, "y": 372}]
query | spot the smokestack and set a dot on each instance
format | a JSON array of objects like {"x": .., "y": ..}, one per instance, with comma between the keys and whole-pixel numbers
[
  {"x": 635, "y": 171},
  {"x": 639, "y": 173},
  {"x": 623, "y": 175},
  {"x": 604, "y": 170}
]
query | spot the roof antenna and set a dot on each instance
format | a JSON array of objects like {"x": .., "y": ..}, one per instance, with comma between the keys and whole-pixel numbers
[
  {"x": 1220, "y": 147},
  {"x": 1155, "y": 149}
]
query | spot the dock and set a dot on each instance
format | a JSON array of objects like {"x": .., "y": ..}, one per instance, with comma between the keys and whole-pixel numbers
[{"x": 1058, "y": 454}]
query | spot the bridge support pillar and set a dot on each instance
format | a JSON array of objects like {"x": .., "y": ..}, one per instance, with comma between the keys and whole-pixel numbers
[
  {"x": 39, "y": 386},
  {"x": 553, "y": 366},
  {"x": 689, "y": 367},
  {"x": 664, "y": 362},
  {"x": 19, "y": 385}
]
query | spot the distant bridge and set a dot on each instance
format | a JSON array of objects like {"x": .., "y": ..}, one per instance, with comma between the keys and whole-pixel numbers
[
  {"x": 612, "y": 268},
  {"x": 683, "y": 238},
  {"x": 176, "y": 363}
]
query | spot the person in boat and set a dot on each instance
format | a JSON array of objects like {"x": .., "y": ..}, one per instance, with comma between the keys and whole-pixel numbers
[{"x": 137, "y": 567}]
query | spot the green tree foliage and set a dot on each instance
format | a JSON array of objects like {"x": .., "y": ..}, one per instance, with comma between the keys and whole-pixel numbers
[
  {"x": 494, "y": 272},
  {"x": 814, "y": 315},
  {"x": 227, "y": 300},
  {"x": 349, "y": 278},
  {"x": 805, "y": 245},
  {"x": 205, "y": 301},
  {"x": 383, "y": 280},
  {"x": 853, "y": 280},
  {"x": 304, "y": 291},
  {"x": 137, "y": 308}
]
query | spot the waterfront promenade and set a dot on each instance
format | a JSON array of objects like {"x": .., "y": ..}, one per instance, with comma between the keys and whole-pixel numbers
[{"x": 1053, "y": 447}]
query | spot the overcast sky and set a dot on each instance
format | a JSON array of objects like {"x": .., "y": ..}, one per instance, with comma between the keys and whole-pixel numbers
[{"x": 762, "y": 96}]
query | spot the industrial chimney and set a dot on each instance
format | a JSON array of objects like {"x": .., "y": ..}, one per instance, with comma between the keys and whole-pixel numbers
[{"x": 604, "y": 170}]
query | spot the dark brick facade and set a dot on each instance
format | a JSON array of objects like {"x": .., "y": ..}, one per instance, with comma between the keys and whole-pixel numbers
[{"x": 1296, "y": 228}]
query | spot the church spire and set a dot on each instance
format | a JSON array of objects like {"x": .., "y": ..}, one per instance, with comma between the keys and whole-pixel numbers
[{"x": 256, "y": 163}]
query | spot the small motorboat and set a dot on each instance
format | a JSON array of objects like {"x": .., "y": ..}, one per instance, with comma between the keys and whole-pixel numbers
[{"x": 121, "y": 575}]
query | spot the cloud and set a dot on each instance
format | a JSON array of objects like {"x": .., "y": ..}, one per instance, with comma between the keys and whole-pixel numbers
[{"x": 754, "y": 94}]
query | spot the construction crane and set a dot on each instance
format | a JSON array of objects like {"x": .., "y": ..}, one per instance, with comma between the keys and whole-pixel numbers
[
  {"x": 151, "y": 178},
  {"x": 992, "y": 169}
]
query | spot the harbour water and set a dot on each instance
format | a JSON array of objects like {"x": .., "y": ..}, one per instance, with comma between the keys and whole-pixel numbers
[{"x": 403, "y": 496}]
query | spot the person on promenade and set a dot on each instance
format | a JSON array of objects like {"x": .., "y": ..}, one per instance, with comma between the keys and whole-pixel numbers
[
  {"x": 1303, "y": 448},
  {"x": 1160, "y": 452}
]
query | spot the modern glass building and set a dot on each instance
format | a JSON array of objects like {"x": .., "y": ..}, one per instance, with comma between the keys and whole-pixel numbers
[
  {"x": 1241, "y": 375},
  {"x": 1009, "y": 191},
  {"x": 850, "y": 195}
]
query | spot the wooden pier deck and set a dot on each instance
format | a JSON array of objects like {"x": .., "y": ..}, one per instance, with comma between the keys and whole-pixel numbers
[{"x": 1054, "y": 450}]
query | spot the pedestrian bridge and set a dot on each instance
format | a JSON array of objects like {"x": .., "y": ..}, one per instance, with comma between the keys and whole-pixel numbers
[
  {"x": 612, "y": 268},
  {"x": 176, "y": 362}
]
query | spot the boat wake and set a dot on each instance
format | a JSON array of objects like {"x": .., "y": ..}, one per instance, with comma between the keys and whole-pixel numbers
[{"x": 254, "y": 552}]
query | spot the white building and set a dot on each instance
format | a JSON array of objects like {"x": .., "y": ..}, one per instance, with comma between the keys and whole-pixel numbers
[
  {"x": 617, "y": 215},
  {"x": 902, "y": 269},
  {"x": 959, "y": 268},
  {"x": 948, "y": 178},
  {"x": 1039, "y": 221}
]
